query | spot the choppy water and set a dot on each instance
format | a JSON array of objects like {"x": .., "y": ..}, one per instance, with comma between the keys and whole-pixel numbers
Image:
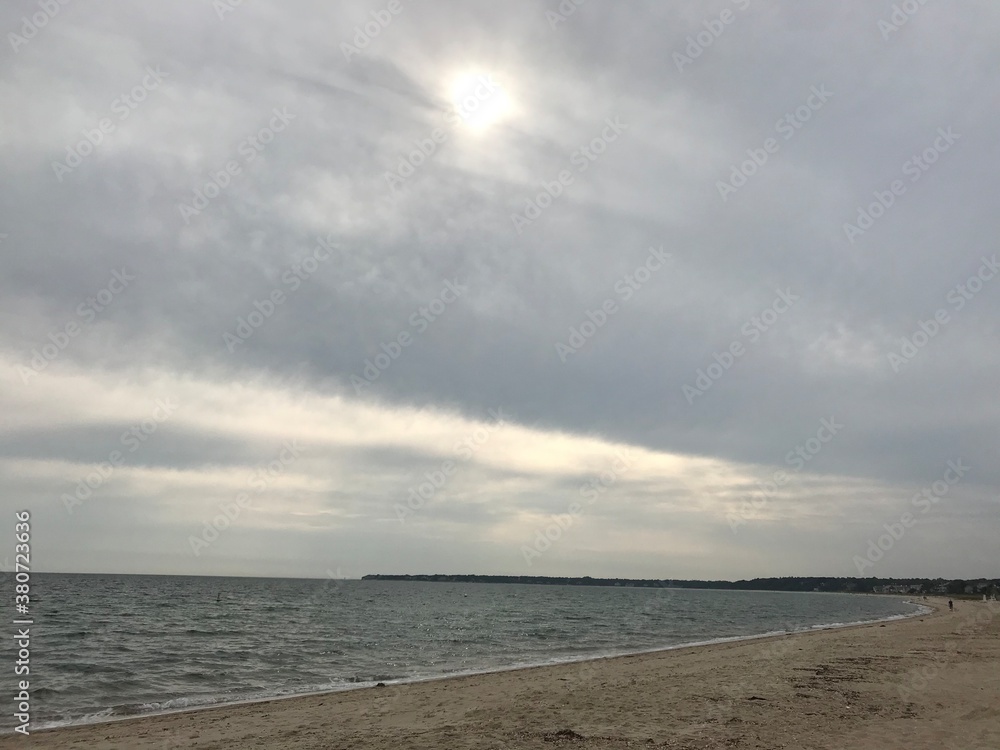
[{"x": 106, "y": 646}]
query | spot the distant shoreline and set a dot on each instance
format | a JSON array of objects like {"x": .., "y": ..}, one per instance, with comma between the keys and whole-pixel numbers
[
  {"x": 820, "y": 584},
  {"x": 815, "y": 584}
]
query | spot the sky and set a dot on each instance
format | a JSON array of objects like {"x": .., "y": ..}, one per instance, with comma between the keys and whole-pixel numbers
[{"x": 688, "y": 290}]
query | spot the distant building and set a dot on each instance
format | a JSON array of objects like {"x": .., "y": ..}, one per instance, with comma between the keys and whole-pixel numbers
[{"x": 894, "y": 588}]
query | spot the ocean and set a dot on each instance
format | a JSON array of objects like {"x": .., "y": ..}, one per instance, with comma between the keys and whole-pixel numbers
[{"x": 110, "y": 646}]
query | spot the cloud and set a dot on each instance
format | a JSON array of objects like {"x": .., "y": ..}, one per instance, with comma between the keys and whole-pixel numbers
[{"x": 63, "y": 236}]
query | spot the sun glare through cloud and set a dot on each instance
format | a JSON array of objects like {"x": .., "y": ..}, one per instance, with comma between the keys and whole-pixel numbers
[{"x": 479, "y": 100}]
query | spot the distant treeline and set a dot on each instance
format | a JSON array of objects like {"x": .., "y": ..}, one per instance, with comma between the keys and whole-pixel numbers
[{"x": 857, "y": 585}]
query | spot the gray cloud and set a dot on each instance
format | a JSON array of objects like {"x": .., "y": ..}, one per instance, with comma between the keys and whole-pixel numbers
[{"x": 656, "y": 185}]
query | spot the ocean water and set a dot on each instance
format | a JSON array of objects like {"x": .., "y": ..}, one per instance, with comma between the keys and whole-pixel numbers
[{"x": 109, "y": 646}]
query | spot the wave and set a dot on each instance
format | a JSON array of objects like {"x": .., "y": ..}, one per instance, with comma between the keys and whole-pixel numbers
[{"x": 359, "y": 681}]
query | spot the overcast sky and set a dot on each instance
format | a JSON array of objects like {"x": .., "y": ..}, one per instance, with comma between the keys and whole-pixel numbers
[{"x": 512, "y": 288}]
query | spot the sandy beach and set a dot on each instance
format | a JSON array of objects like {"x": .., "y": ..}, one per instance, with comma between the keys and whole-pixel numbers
[{"x": 926, "y": 682}]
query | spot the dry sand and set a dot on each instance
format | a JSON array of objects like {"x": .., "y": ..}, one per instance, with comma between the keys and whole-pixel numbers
[{"x": 930, "y": 682}]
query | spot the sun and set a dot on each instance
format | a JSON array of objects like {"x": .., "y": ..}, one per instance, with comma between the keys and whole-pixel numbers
[{"x": 478, "y": 100}]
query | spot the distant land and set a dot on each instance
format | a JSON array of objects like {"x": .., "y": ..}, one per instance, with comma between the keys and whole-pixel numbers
[{"x": 955, "y": 587}]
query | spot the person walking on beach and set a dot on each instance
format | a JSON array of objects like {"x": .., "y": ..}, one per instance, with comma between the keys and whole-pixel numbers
[{"x": 951, "y": 605}]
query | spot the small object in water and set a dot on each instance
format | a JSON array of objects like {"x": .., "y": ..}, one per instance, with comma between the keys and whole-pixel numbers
[{"x": 379, "y": 684}]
